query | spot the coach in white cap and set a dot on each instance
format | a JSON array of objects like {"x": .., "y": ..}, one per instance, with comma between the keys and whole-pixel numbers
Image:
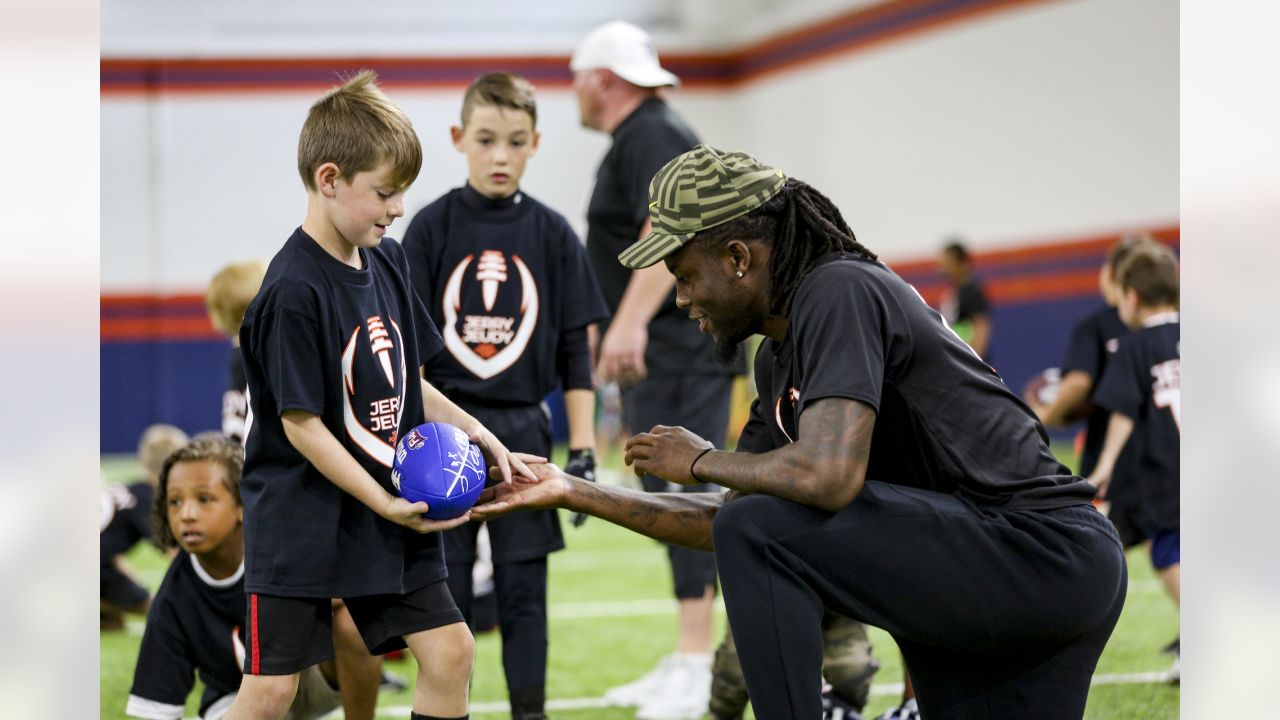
[{"x": 665, "y": 367}]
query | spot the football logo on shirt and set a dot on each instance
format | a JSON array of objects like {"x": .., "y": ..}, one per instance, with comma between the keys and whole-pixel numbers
[
  {"x": 1166, "y": 388},
  {"x": 373, "y": 427},
  {"x": 490, "y": 341}
]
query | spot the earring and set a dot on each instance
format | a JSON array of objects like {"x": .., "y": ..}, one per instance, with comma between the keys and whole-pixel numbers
[{"x": 739, "y": 273}]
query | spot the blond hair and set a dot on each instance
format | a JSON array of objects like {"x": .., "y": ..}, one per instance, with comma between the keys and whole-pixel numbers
[
  {"x": 230, "y": 292},
  {"x": 157, "y": 443},
  {"x": 500, "y": 90},
  {"x": 356, "y": 127}
]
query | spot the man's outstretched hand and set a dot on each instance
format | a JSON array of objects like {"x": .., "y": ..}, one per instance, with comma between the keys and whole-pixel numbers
[{"x": 549, "y": 491}]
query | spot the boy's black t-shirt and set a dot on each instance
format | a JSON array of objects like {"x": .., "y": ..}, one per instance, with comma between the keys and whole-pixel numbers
[
  {"x": 345, "y": 345},
  {"x": 235, "y": 404},
  {"x": 944, "y": 420},
  {"x": 502, "y": 279},
  {"x": 125, "y": 518},
  {"x": 1094, "y": 341},
  {"x": 195, "y": 627},
  {"x": 1143, "y": 381},
  {"x": 648, "y": 138}
]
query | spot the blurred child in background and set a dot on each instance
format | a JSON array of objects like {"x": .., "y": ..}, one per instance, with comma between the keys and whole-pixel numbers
[{"x": 124, "y": 522}]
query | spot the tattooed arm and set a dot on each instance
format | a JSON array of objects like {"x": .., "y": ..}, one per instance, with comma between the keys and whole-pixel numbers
[
  {"x": 678, "y": 518},
  {"x": 824, "y": 468}
]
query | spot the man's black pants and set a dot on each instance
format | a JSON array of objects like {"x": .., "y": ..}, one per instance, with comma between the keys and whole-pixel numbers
[{"x": 999, "y": 613}]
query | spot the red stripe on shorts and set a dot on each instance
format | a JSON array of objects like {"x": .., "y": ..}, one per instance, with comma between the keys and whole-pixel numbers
[{"x": 253, "y": 620}]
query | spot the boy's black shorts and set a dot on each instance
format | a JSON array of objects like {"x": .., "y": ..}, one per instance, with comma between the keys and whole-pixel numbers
[{"x": 285, "y": 635}]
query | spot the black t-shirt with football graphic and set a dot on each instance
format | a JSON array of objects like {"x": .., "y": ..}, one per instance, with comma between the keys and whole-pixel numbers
[
  {"x": 945, "y": 421},
  {"x": 1094, "y": 341},
  {"x": 125, "y": 518},
  {"x": 1144, "y": 382},
  {"x": 195, "y": 627},
  {"x": 643, "y": 142},
  {"x": 235, "y": 402},
  {"x": 345, "y": 345},
  {"x": 503, "y": 280}
]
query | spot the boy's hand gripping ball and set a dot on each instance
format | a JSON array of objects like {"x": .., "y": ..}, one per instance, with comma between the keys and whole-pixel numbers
[{"x": 437, "y": 464}]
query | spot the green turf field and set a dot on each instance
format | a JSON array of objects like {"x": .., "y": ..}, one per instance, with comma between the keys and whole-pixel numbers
[{"x": 612, "y": 618}]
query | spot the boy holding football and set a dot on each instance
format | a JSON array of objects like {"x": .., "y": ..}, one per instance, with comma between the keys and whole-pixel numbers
[{"x": 332, "y": 345}]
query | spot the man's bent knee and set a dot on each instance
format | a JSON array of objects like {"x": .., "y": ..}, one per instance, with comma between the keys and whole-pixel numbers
[{"x": 738, "y": 521}]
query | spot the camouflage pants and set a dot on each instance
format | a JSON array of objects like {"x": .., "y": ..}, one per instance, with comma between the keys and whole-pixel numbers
[{"x": 847, "y": 664}]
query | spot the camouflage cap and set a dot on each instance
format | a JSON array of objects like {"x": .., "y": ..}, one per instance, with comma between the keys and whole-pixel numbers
[{"x": 700, "y": 189}]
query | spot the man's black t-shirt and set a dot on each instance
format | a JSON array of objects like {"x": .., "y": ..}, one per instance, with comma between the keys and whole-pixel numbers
[
  {"x": 345, "y": 345},
  {"x": 642, "y": 143},
  {"x": 1093, "y": 343},
  {"x": 195, "y": 627},
  {"x": 125, "y": 518},
  {"x": 944, "y": 420},
  {"x": 502, "y": 279},
  {"x": 1144, "y": 382}
]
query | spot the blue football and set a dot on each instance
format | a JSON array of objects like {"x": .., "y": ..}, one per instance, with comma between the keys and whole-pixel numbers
[{"x": 437, "y": 464}]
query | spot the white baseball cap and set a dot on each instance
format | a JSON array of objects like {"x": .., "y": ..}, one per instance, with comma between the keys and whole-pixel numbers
[{"x": 626, "y": 50}]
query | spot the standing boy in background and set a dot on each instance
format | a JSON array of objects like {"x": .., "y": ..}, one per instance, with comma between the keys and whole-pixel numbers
[
  {"x": 664, "y": 367},
  {"x": 332, "y": 348},
  {"x": 1142, "y": 388},
  {"x": 229, "y": 293},
  {"x": 964, "y": 303},
  {"x": 510, "y": 287},
  {"x": 124, "y": 520},
  {"x": 1094, "y": 341}
]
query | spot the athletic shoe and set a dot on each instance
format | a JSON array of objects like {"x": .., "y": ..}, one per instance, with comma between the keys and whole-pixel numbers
[
  {"x": 1174, "y": 647},
  {"x": 685, "y": 692},
  {"x": 906, "y": 711},
  {"x": 638, "y": 691}
]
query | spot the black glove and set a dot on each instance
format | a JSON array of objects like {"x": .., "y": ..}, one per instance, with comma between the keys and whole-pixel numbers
[{"x": 582, "y": 463}]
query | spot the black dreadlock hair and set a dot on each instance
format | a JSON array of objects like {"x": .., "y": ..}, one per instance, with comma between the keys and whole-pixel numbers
[{"x": 801, "y": 225}]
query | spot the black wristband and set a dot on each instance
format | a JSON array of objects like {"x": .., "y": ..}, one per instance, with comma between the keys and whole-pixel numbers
[{"x": 693, "y": 474}]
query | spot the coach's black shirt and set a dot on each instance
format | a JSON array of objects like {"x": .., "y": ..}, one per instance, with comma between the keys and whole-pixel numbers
[
  {"x": 1094, "y": 341},
  {"x": 944, "y": 420},
  {"x": 503, "y": 280},
  {"x": 647, "y": 139},
  {"x": 125, "y": 518},
  {"x": 345, "y": 345},
  {"x": 195, "y": 627},
  {"x": 1144, "y": 382}
]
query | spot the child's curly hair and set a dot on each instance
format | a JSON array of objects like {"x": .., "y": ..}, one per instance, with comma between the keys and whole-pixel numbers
[{"x": 219, "y": 450}]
